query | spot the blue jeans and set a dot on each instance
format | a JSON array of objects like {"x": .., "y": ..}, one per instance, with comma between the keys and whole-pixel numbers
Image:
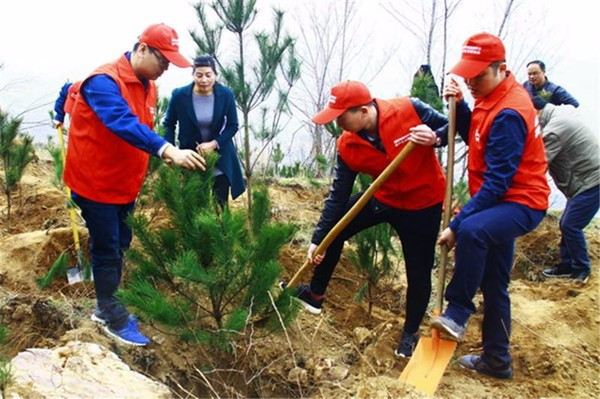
[
  {"x": 110, "y": 236},
  {"x": 485, "y": 244},
  {"x": 578, "y": 213}
]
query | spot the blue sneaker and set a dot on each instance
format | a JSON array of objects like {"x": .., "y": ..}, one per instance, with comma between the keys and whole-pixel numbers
[
  {"x": 449, "y": 326},
  {"x": 130, "y": 334},
  {"x": 407, "y": 344}
]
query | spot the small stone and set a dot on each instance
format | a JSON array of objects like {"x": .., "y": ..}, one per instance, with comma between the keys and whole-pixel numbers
[
  {"x": 362, "y": 336},
  {"x": 338, "y": 372},
  {"x": 298, "y": 374}
]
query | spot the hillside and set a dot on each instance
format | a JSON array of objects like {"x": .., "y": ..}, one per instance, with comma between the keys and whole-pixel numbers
[{"x": 344, "y": 352}]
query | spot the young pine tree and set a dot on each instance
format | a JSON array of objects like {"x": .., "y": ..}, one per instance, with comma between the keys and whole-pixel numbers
[
  {"x": 16, "y": 152},
  {"x": 373, "y": 255},
  {"x": 271, "y": 71},
  {"x": 204, "y": 275}
]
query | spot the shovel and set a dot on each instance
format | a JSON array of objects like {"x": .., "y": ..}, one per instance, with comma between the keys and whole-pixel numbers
[
  {"x": 431, "y": 356},
  {"x": 347, "y": 218},
  {"x": 76, "y": 273}
]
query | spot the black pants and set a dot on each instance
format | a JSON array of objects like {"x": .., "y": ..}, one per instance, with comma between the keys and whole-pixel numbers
[
  {"x": 221, "y": 190},
  {"x": 417, "y": 230}
]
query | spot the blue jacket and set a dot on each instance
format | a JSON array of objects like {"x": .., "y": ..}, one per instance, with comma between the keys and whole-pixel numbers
[
  {"x": 59, "y": 105},
  {"x": 223, "y": 127},
  {"x": 559, "y": 94}
]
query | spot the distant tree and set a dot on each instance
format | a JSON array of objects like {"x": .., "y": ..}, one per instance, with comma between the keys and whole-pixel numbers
[
  {"x": 333, "y": 45},
  {"x": 16, "y": 152},
  {"x": 274, "y": 70}
]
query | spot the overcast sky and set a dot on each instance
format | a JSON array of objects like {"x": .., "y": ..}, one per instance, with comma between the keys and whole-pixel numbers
[{"x": 45, "y": 43}]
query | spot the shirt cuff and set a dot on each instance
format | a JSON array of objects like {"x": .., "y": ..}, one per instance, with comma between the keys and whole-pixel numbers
[{"x": 162, "y": 149}]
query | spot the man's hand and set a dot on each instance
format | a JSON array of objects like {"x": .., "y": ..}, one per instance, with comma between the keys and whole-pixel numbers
[
  {"x": 315, "y": 260},
  {"x": 422, "y": 135},
  {"x": 452, "y": 88},
  {"x": 206, "y": 147},
  {"x": 185, "y": 158},
  {"x": 448, "y": 238}
]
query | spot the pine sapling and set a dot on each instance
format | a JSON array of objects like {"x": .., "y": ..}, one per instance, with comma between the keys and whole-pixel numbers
[
  {"x": 205, "y": 274},
  {"x": 16, "y": 152}
]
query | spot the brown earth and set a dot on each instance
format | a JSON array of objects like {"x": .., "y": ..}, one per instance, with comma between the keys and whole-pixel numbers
[{"x": 344, "y": 352}]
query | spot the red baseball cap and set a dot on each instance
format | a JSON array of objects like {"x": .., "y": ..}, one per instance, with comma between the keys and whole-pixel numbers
[
  {"x": 164, "y": 39},
  {"x": 343, "y": 95},
  {"x": 478, "y": 52}
]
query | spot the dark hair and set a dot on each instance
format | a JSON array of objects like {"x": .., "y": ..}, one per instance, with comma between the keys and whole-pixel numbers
[
  {"x": 538, "y": 62},
  {"x": 495, "y": 65},
  {"x": 205, "y": 61},
  {"x": 357, "y": 107}
]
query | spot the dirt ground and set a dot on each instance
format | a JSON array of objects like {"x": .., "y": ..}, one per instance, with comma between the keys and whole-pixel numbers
[{"x": 344, "y": 352}]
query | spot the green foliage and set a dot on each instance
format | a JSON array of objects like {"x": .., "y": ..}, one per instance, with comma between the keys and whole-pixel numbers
[
  {"x": 16, "y": 152},
  {"x": 461, "y": 192},
  {"x": 154, "y": 162},
  {"x": 207, "y": 274},
  {"x": 291, "y": 170},
  {"x": 5, "y": 370},
  {"x": 373, "y": 255},
  {"x": 57, "y": 161},
  {"x": 334, "y": 129},
  {"x": 266, "y": 78},
  {"x": 425, "y": 89},
  {"x": 58, "y": 268}
]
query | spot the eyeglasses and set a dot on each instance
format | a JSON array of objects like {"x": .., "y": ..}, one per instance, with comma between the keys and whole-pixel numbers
[{"x": 162, "y": 62}]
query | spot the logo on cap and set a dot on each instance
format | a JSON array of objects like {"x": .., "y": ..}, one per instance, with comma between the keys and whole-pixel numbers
[
  {"x": 332, "y": 99},
  {"x": 472, "y": 50}
]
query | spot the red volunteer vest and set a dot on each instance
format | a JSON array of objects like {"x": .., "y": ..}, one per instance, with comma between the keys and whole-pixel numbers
[
  {"x": 529, "y": 186},
  {"x": 100, "y": 165},
  {"x": 72, "y": 95},
  {"x": 418, "y": 182}
]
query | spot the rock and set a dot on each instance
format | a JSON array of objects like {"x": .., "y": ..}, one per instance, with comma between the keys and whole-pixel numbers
[
  {"x": 298, "y": 374},
  {"x": 338, "y": 372},
  {"x": 362, "y": 336},
  {"x": 78, "y": 370}
]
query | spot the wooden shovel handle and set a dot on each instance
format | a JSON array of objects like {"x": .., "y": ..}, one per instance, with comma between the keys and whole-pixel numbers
[
  {"x": 439, "y": 299},
  {"x": 347, "y": 218}
]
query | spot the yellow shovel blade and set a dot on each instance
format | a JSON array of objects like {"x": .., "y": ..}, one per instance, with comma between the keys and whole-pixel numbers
[{"x": 427, "y": 364}]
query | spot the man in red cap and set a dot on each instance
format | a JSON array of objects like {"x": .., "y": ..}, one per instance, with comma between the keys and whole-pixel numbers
[
  {"x": 375, "y": 131},
  {"x": 110, "y": 140},
  {"x": 509, "y": 197}
]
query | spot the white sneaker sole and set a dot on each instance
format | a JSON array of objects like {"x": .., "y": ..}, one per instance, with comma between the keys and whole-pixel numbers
[
  {"x": 98, "y": 320},
  {"x": 308, "y": 306},
  {"x": 121, "y": 340}
]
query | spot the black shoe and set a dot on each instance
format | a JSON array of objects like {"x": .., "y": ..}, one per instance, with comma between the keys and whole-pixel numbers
[
  {"x": 580, "y": 276},
  {"x": 558, "y": 271},
  {"x": 407, "y": 344},
  {"x": 303, "y": 295},
  {"x": 478, "y": 364}
]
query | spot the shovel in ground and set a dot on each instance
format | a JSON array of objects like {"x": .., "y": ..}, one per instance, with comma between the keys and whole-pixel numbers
[
  {"x": 431, "y": 355},
  {"x": 76, "y": 273},
  {"x": 347, "y": 218}
]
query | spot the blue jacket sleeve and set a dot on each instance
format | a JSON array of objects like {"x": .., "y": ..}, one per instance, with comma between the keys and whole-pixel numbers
[
  {"x": 170, "y": 121},
  {"x": 59, "y": 105},
  {"x": 504, "y": 150},
  {"x": 231, "y": 125},
  {"x": 104, "y": 97},
  {"x": 335, "y": 204},
  {"x": 561, "y": 96}
]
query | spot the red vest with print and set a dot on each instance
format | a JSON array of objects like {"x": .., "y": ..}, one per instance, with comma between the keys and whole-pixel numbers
[
  {"x": 100, "y": 165},
  {"x": 418, "y": 182},
  {"x": 529, "y": 186},
  {"x": 72, "y": 95}
]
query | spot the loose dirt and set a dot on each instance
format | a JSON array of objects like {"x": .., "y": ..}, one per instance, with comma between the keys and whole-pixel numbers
[{"x": 344, "y": 352}]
